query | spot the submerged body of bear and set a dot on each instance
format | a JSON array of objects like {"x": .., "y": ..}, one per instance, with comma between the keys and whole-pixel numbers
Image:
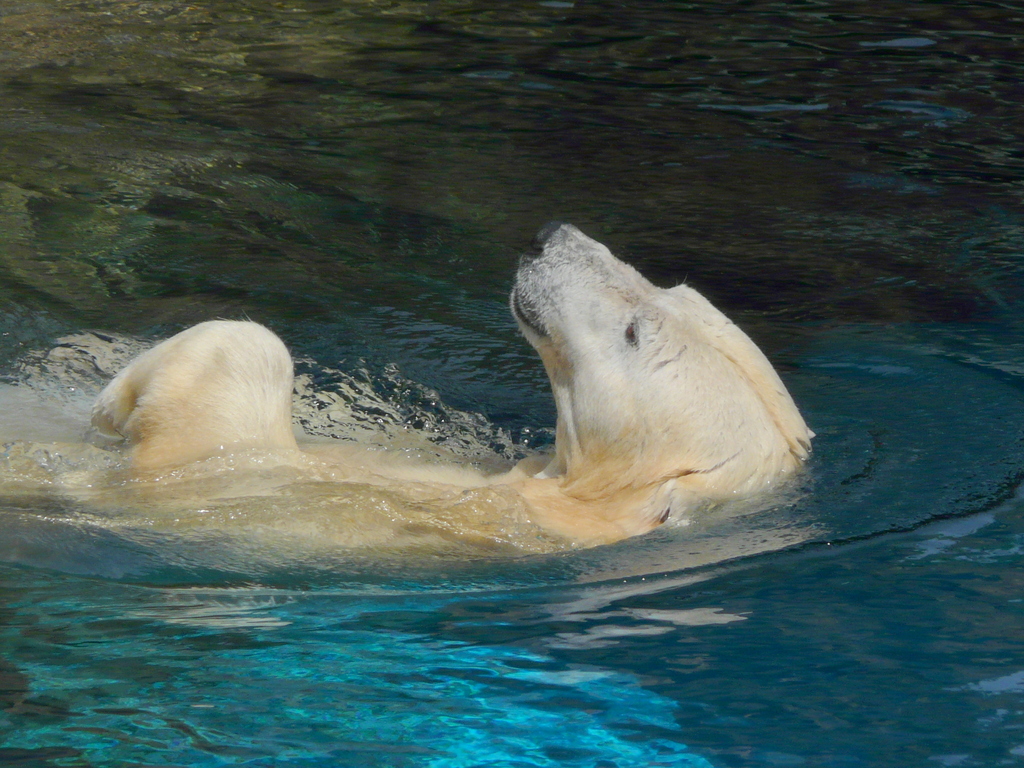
[{"x": 663, "y": 405}]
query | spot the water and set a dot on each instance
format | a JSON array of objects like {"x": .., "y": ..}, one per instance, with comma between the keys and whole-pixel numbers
[{"x": 843, "y": 181}]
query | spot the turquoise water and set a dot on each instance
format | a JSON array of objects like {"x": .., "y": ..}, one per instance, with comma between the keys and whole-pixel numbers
[{"x": 843, "y": 181}]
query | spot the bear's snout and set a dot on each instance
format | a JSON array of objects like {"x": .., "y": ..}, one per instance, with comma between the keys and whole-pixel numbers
[{"x": 545, "y": 233}]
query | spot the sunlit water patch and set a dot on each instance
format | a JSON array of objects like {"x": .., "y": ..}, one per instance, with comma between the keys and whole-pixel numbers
[{"x": 312, "y": 687}]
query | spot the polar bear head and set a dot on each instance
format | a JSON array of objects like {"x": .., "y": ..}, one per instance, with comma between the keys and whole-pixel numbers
[{"x": 660, "y": 397}]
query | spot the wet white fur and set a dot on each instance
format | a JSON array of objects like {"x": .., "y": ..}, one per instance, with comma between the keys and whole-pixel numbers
[
  {"x": 687, "y": 410},
  {"x": 682, "y": 408},
  {"x": 219, "y": 386}
]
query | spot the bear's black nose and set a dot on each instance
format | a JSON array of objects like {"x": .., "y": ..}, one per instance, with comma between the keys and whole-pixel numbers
[{"x": 545, "y": 233}]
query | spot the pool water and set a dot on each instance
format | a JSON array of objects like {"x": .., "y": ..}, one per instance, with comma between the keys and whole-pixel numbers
[{"x": 845, "y": 182}]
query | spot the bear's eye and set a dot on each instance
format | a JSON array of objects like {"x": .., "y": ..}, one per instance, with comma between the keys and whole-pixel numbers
[{"x": 631, "y": 338}]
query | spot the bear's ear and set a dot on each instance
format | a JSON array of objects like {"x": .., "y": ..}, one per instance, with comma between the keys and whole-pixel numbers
[{"x": 751, "y": 363}]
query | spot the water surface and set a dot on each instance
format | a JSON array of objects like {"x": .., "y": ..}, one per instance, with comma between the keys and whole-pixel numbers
[{"x": 361, "y": 177}]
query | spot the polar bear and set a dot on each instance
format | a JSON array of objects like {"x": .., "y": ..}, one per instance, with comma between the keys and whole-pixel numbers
[{"x": 663, "y": 404}]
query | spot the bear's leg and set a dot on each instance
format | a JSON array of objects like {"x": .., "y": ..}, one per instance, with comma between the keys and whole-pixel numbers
[{"x": 218, "y": 386}]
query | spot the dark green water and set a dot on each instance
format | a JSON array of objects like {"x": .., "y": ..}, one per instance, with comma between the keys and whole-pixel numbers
[{"x": 843, "y": 179}]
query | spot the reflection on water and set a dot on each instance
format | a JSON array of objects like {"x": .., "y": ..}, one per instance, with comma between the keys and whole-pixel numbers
[
  {"x": 302, "y": 154},
  {"x": 361, "y": 176}
]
